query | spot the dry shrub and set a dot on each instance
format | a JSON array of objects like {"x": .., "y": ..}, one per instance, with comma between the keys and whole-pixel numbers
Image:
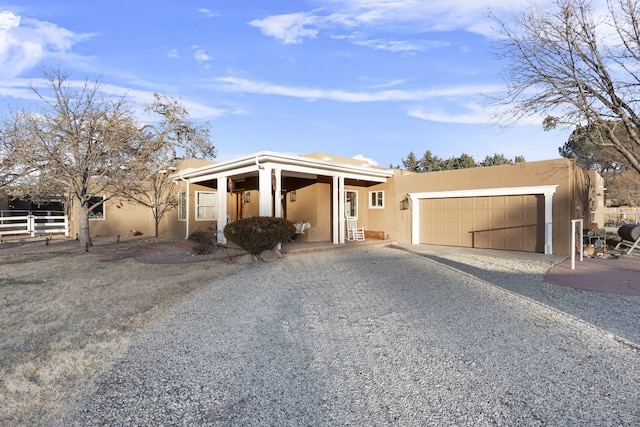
[
  {"x": 206, "y": 241},
  {"x": 258, "y": 234}
]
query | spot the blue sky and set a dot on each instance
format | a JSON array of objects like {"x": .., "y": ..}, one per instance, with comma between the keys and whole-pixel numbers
[{"x": 374, "y": 78}]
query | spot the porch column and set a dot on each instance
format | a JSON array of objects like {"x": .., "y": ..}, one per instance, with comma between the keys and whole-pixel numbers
[
  {"x": 415, "y": 220},
  {"x": 221, "y": 214},
  {"x": 264, "y": 184},
  {"x": 548, "y": 223},
  {"x": 335, "y": 214},
  {"x": 188, "y": 213},
  {"x": 277, "y": 173},
  {"x": 340, "y": 203}
]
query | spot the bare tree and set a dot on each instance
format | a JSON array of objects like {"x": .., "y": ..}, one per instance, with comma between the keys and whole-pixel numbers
[
  {"x": 171, "y": 139},
  {"x": 13, "y": 175},
  {"x": 79, "y": 143},
  {"x": 575, "y": 67}
]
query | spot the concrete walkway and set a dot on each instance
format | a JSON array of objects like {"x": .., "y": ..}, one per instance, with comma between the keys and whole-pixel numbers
[{"x": 613, "y": 275}]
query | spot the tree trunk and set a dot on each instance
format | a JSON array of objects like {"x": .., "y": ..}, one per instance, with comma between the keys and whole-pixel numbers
[{"x": 83, "y": 222}]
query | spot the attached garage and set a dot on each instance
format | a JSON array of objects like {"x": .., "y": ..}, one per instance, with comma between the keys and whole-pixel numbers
[
  {"x": 499, "y": 222},
  {"x": 517, "y": 218}
]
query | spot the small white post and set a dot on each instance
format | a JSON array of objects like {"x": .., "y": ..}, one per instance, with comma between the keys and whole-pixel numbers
[
  {"x": 31, "y": 224},
  {"x": 573, "y": 242}
]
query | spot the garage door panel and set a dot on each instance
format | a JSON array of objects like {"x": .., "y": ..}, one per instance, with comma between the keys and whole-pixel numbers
[
  {"x": 463, "y": 203},
  {"x": 500, "y": 222}
]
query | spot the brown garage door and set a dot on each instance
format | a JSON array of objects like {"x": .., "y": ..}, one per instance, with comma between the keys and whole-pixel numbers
[{"x": 497, "y": 222}]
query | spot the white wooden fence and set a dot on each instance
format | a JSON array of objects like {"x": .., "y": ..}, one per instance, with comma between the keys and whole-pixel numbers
[
  {"x": 33, "y": 223},
  {"x": 615, "y": 217}
]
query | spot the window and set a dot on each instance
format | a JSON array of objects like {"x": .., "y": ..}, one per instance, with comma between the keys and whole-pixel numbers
[
  {"x": 351, "y": 203},
  {"x": 96, "y": 207},
  {"x": 205, "y": 206},
  {"x": 182, "y": 206},
  {"x": 376, "y": 199}
]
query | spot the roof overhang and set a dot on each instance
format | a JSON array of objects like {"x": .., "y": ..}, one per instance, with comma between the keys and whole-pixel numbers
[{"x": 291, "y": 165}]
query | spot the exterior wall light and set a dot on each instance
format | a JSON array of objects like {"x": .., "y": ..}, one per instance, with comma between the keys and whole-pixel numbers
[
  {"x": 247, "y": 197},
  {"x": 292, "y": 196},
  {"x": 404, "y": 204}
]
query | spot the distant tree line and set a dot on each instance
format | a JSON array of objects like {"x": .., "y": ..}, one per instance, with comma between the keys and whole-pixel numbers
[{"x": 431, "y": 163}]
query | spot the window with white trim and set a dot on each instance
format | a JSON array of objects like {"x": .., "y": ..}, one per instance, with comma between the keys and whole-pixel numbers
[
  {"x": 376, "y": 199},
  {"x": 351, "y": 203},
  {"x": 182, "y": 206},
  {"x": 205, "y": 206}
]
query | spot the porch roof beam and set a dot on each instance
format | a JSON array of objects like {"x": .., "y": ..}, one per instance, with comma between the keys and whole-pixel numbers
[{"x": 286, "y": 163}]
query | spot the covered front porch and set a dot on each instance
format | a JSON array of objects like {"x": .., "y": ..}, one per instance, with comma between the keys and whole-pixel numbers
[{"x": 299, "y": 188}]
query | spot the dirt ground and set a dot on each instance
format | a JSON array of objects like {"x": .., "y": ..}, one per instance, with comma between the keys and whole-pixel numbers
[{"x": 66, "y": 312}]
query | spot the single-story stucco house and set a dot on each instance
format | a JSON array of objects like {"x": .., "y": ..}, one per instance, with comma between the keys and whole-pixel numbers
[{"x": 525, "y": 207}]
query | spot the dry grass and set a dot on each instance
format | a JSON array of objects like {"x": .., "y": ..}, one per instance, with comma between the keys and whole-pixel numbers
[{"x": 64, "y": 316}]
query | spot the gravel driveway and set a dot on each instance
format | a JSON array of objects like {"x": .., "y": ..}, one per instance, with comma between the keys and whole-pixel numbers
[{"x": 367, "y": 336}]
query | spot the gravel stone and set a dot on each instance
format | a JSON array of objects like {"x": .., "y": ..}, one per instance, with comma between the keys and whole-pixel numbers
[{"x": 378, "y": 336}]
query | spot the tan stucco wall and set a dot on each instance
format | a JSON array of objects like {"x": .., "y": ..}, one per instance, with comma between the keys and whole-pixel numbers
[
  {"x": 562, "y": 172},
  {"x": 313, "y": 203},
  {"x": 122, "y": 216}
]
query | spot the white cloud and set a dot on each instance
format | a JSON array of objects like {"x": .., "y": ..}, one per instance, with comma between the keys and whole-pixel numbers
[
  {"x": 173, "y": 53},
  {"x": 8, "y": 20},
  {"x": 376, "y": 84},
  {"x": 400, "y": 45},
  {"x": 367, "y": 160},
  {"x": 25, "y": 43},
  {"x": 235, "y": 84},
  {"x": 200, "y": 55},
  {"x": 21, "y": 88},
  {"x": 290, "y": 28},
  {"x": 208, "y": 13},
  {"x": 472, "y": 114},
  {"x": 415, "y": 16}
]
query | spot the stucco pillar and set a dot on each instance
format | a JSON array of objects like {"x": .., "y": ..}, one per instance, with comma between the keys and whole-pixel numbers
[
  {"x": 221, "y": 214},
  {"x": 548, "y": 223},
  {"x": 277, "y": 175},
  {"x": 415, "y": 220},
  {"x": 188, "y": 213},
  {"x": 337, "y": 211},
  {"x": 265, "y": 187},
  {"x": 341, "y": 226}
]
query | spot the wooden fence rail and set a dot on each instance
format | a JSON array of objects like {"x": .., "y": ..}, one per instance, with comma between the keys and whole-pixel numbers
[{"x": 33, "y": 223}]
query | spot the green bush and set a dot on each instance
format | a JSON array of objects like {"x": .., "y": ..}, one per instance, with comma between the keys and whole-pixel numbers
[{"x": 258, "y": 234}]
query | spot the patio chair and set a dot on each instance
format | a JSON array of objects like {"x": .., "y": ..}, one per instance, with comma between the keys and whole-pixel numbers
[
  {"x": 597, "y": 236},
  {"x": 353, "y": 232}
]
